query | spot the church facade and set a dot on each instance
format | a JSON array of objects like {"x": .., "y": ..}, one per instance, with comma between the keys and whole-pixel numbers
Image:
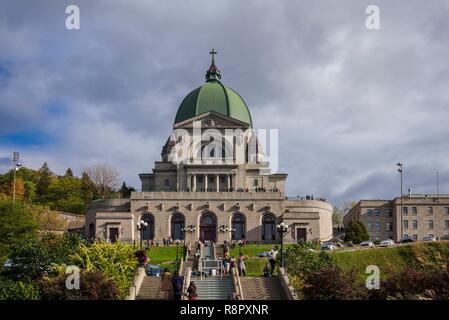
[{"x": 212, "y": 183}]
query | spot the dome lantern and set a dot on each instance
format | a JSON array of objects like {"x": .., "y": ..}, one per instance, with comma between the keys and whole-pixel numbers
[{"x": 213, "y": 74}]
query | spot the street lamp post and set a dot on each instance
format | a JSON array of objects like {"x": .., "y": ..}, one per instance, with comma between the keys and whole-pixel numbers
[
  {"x": 190, "y": 229},
  {"x": 282, "y": 228},
  {"x": 400, "y": 170},
  {"x": 177, "y": 254},
  {"x": 17, "y": 165},
  {"x": 141, "y": 226}
]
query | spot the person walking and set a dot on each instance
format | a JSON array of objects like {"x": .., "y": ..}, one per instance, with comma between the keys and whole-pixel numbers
[
  {"x": 267, "y": 270},
  {"x": 272, "y": 258},
  {"x": 224, "y": 262},
  {"x": 232, "y": 265},
  {"x": 177, "y": 283},
  {"x": 242, "y": 266},
  {"x": 191, "y": 290},
  {"x": 167, "y": 284}
]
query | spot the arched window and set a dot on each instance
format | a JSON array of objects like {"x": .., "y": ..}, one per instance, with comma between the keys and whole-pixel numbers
[
  {"x": 177, "y": 224},
  {"x": 148, "y": 233},
  {"x": 268, "y": 227},
  {"x": 238, "y": 225},
  {"x": 208, "y": 227}
]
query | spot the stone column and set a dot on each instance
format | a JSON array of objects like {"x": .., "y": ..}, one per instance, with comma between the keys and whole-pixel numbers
[
  {"x": 194, "y": 182},
  {"x": 205, "y": 182},
  {"x": 217, "y": 176},
  {"x": 189, "y": 182},
  {"x": 228, "y": 176}
]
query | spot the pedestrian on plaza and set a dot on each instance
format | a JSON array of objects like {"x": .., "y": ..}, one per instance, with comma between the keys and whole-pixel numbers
[
  {"x": 242, "y": 266},
  {"x": 272, "y": 258}
]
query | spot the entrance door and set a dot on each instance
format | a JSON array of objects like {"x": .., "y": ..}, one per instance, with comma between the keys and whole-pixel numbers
[
  {"x": 301, "y": 234},
  {"x": 208, "y": 228},
  {"x": 113, "y": 234}
]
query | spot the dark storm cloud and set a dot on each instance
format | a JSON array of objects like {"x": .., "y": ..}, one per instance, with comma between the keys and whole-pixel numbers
[{"x": 349, "y": 102}]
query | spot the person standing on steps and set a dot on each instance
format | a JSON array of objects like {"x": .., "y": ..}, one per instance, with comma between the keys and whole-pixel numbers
[
  {"x": 177, "y": 283},
  {"x": 242, "y": 266},
  {"x": 191, "y": 290},
  {"x": 272, "y": 258},
  {"x": 166, "y": 284}
]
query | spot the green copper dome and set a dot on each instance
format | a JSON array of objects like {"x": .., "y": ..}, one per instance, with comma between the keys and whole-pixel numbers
[{"x": 213, "y": 96}]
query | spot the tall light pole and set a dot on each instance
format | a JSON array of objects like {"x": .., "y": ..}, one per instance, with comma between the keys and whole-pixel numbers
[
  {"x": 190, "y": 229},
  {"x": 141, "y": 226},
  {"x": 282, "y": 228},
  {"x": 399, "y": 164},
  {"x": 17, "y": 165}
]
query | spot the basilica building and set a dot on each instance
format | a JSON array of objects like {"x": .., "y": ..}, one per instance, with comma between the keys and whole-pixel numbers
[{"x": 213, "y": 183}]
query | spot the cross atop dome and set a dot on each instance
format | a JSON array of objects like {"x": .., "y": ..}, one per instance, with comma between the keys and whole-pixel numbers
[{"x": 213, "y": 74}]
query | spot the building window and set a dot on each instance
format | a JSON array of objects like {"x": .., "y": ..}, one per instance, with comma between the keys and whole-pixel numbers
[
  {"x": 377, "y": 212},
  {"x": 255, "y": 182},
  {"x": 415, "y": 210},
  {"x": 405, "y": 223},
  {"x": 389, "y": 212},
  {"x": 368, "y": 226},
  {"x": 177, "y": 226},
  {"x": 369, "y": 213},
  {"x": 430, "y": 210},
  {"x": 167, "y": 182},
  {"x": 415, "y": 224},
  {"x": 405, "y": 210},
  {"x": 415, "y": 237},
  {"x": 446, "y": 224},
  {"x": 446, "y": 210},
  {"x": 268, "y": 227},
  {"x": 430, "y": 224},
  {"x": 238, "y": 226},
  {"x": 91, "y": 232},
  {"x": 389, "y": 226},
  {"x": 200, "y": 179},
  {"x": 377, "y": 226},
  {"x": 148, "y": 233}
]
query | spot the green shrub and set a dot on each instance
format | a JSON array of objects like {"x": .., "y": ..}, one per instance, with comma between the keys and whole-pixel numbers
[
  {"x": 117, "y": 261},
  {"x": 18, "y": 290},
  {"x": 93, "y": 286}
]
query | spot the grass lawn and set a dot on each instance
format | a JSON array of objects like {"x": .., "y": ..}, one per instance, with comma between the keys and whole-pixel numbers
[
  {"x": 159, "y": 255},
  {"x": 418, "y": 255}
]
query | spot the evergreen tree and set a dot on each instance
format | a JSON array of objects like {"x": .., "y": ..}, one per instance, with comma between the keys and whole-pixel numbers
[
  {"x": 44, "y": 181},
  {"x": 356, "y": 232},
  {"x": 69, "y": 173},
  {"x": 87, "y": 188}
]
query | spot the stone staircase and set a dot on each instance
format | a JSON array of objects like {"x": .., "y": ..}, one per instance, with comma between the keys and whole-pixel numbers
[
  {"x": 262, "y": 288},
  {"x": 151, "y": 289},
  {"x": 214, "y": 288}
]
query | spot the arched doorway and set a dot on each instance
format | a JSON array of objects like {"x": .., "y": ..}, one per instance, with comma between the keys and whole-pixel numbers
[
  {"x": 177, "y": 224},
  {"x": 91, "y": 232},
  {"x": 238, "y": 226},
  {"x": 148, "y": 233},
  {"x": 208, "y": 227},
  {"x": 268, "y": 227}
]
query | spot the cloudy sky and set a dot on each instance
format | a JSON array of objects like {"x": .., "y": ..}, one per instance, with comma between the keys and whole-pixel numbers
[{"x": 348, "y": 102}]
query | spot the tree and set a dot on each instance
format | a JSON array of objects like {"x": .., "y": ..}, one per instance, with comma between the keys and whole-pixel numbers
[
  {"x": 44, "y": 181},
  {"x": 339, "y": 212},
  {"x": 356, "y": 232},
  {"x": 87, "y": 188},
  {"x": 65, "y": 194},
  {"x": 125, "y": 191},
  {"x": 104, "y": 178},
  {"x": 69, "y": 173},
  {"x": 17, "y": 222}
]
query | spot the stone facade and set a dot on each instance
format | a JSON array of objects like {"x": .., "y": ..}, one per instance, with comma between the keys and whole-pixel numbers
[
  {"x": 214, "y": 181},
  {"x": 423, "y": 215}
]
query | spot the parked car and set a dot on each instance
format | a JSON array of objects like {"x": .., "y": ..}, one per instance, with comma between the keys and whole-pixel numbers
[
  {"x": 386, "y": 243},
  {"x": 445, "y": 237},
  {"x": 327, "y": 246},
  {"x": 407, "y": 240},
  {"x": 367, "y": 244},
  {"x": 429, "y": 238},
  {"x": 153, "y": 270}
]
